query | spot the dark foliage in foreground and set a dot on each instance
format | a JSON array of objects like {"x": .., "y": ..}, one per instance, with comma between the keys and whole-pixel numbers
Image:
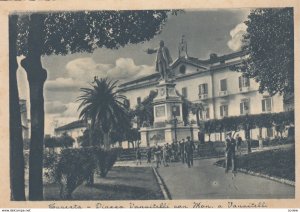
[{"x": 74, "y": 166}]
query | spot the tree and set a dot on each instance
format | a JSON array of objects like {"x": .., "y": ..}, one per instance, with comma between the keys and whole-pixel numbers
[
  {"x": 66, "y": 141},
  {"x": 84, "y": 139},
  {"x": 66, "y": 33},
  {"x": 144, "y": 110},
  {"x": 104, "y": 107},
  {"x": 269, "y": 41},
  {"x": 186, "y": 108},
  {"x": 16, "y": 161},
  {"x": 196, "y": 108}
]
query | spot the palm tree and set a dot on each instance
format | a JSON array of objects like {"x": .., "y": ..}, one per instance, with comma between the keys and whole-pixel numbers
[{"x": 104, "y": 107}]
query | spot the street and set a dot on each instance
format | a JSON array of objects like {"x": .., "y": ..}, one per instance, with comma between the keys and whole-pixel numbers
[{"x": 207, "y": 181}]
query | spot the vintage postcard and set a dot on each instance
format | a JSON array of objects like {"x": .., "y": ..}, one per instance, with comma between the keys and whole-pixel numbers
[{"x": 139, "y": 104}]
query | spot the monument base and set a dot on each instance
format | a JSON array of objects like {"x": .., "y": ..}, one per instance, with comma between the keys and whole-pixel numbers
[{"x": 163, "y": 135}]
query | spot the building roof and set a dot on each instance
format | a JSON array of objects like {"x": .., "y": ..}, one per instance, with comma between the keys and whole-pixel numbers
[
  {"x": 156, "y": 75},
  {"x": 212, "y": 63},
  {"x": 72, "y": 125}
]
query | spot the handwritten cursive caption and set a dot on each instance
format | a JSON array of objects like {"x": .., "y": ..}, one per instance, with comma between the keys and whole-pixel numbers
[{"x": 195, "y": 204}]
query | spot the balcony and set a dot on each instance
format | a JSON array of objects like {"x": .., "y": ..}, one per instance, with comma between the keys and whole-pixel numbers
[
  {"x": 203, "y": 96},
  {"x": 223, "y": 93},
  {"x": 245, "y": 112},
  {"x": 244, "y": 89}
]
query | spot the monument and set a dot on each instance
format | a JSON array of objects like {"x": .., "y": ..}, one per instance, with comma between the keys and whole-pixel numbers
[{"x": 168, "y": 123}]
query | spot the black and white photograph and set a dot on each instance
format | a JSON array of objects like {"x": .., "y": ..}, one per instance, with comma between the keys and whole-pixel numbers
[{"x": 151, "y": 104}]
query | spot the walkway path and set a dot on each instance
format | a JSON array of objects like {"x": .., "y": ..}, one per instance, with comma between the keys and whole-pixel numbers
[{"x": 207, "y": 181}]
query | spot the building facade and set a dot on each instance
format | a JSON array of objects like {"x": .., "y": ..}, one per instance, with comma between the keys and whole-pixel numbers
[
  {"x": 212, "y": 83},
  {"x": 24, "y": 119},
  {"x": 74, "y": 129}
]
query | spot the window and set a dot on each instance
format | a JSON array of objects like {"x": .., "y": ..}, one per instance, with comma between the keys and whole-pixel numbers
[
  {"x": 266, "y": 104},
  {"x": 223, "y": 110},
  {"x": 244, "y": 107},
  {"x": 138, "y": 100},
  {"x": 244, "y": 82},
  {"x": 203, "y": 89},
  {"x": 182, "y": 69},
  {"x": 184, "y": 92},
  {"x": 223, "y": 85}
]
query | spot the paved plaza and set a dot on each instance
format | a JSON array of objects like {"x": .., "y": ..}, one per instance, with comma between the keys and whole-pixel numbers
[{"x": 207, "y": 181}]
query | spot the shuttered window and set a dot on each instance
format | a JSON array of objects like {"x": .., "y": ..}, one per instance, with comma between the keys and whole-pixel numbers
[
  {"x": 203, "y": 88},
  {"x": 223, "y": 110},
  {"x": 223, "y": 84},
  {"x": 244, "y": 107},
  {"x": 184, "y": 92},
  {"x": 266, "y": 105}
]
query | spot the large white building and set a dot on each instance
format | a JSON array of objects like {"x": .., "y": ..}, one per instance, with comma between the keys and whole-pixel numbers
[{"x": 223, "y": 92}]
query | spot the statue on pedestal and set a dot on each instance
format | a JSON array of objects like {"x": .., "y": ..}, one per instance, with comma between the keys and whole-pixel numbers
[{"x": 163, "y": 60}]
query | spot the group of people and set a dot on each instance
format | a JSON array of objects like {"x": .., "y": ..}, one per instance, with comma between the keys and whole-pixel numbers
[
  {"x": 183, "y": 151},
  {"x": 179, "y": 150}
]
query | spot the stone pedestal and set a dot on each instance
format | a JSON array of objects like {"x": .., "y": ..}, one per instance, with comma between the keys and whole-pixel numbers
[
  {"x": 168, "y": 120},
  {"x": 167, "y": 105}
]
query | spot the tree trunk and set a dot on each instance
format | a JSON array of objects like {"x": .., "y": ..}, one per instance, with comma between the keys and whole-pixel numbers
[
  {"x": 36, "y": 76},
  {"x": 16, "y": 141},
  {"x": 106, "y": 140}
]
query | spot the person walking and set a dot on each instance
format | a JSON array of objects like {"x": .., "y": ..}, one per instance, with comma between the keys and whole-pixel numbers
[
  {"x": 230, "y": 153},
  {"x": 189, "y": 149},
  {"x": 182, "y": 150},
  {"x": 238, "y": 144},
  {"x": 138, "y": 156},
  {"x": 157, "y": 155},
  {"x": 149, "y": 155},
  {"x": 165, "y": 155}
]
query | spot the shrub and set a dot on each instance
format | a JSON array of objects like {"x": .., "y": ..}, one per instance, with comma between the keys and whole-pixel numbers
[
  {"x": 50, "y": 162},
  {"x": 74, "y": 166}
]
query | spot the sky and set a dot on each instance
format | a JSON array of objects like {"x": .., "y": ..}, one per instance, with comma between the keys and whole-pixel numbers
[{"x": 206, "y": 32}]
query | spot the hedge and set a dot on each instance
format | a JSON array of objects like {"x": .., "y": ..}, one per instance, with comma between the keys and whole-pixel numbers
[
  {"x": 236, "y": 123},
  {"x": 74, "y": 166}
]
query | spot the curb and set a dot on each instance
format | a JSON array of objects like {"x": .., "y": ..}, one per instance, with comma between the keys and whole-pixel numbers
[
  {"x": 280, "y": 180},
  {"x": 276, "y": 179},
  {"x": 162, "y": 185}
]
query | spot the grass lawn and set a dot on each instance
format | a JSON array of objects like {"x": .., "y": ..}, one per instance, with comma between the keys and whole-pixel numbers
[
  {"x": 121, "y": 183},
  {"x": 277, "y": 163}
]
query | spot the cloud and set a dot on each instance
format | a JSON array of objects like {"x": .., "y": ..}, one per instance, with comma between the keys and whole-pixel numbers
[
  {"x": 63, "y": 84},
  {"x": 79, "y": 73},
  {"x": 85, "y": 69},
  {"x": 124, "y": 69},
  {"x": 55, "y": 107},
  {"x": 236, "y": 34},
  {"x": 72, "y": 110}
]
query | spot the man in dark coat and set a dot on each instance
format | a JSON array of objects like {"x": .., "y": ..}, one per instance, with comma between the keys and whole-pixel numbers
[
  {"x": 189, "y": 149},
  {"x": 149, "y": 155},
  {"x": 182, "y": 150},
  {"x": 230, "y": 153}
]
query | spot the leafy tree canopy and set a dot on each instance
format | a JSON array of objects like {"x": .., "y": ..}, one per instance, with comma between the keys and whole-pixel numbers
[
  {"x": 269, "y": 40},
  {"x": 71, "y": 32}
]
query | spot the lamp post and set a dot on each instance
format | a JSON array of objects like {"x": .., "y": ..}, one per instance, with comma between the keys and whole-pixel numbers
[{"x": 174, "y": 110}]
